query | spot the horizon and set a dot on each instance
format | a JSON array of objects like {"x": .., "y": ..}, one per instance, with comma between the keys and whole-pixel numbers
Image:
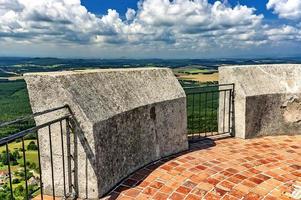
[
  {"x": 125, "y": 58},
  {"x": 150, "y": 29}
]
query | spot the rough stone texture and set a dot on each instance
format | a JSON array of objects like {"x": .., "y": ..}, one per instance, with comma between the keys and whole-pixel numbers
[
  {"x": 267, "y": 99},
  {"x": 127, "y": 117}
]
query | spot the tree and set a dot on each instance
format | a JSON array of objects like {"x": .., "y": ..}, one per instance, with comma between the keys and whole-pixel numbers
[
  {"x": 4, "y": 158},
  {"x": 32, "y": 146},
  {"x": 19, "y": 191},
  {"x": 15, "y": 181},
  {"x": 16, "y": 154}
]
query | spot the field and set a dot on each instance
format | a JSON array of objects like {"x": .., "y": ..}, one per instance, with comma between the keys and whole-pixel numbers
[
  {"x": 197, "y": 74},
  {"x": 17, "y": 168},
  {"x": 14, "y": 103},
  {"x": 202, "y": 78},
  {"x": 31, "y": 156}
]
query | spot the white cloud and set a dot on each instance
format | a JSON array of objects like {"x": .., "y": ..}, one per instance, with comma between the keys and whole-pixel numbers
[
  {"x": 284, "y": 33},
  {"x": 288, "y": 9},
  {"x": 178, "y": 25},
  {"x": 130, "y": 14}
]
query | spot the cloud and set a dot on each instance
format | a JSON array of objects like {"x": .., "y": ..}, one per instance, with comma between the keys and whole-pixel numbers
[
  {"x": 57, "y": 20},
  {"x": 287, "y": 9},
  {"x": 130, "y": 14},
  {"x": 284, "y": 33},
  {"x": 178, "y": 25}
]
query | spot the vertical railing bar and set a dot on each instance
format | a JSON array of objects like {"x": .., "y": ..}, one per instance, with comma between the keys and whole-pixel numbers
[
  {"x": 51, "y": 161},
  {"x": 192, "y": 125},
  {"x": 25, "y": 168},
  {"x": 9, "y": 172},
  {"x": 86, "y": 171},
  {"x": 206, "y": 120},
  {"x": 75, "y": 164},
  {"x": 63, "y": 158},
  {"x": 229, "y": 111},
  {"x": 68, "y": 156},
  {"x": 212, "y": 116},
  {"x": 187, "y": 114},
  {"x": 40, "y": 169},
  {"x": 200, "y": 114},
  {"x": 232, "y": 111},
  {"x": 200, "y": 120},
  {"x": 224, "y": 112}
]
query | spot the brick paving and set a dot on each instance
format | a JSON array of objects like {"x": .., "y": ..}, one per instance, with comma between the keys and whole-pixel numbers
[{"x": 229, "y": 169}]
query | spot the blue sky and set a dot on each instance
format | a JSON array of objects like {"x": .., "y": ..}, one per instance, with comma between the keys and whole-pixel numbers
[
  {"x": 101, "y": 7},
  {"x": 155, "y": 29}
]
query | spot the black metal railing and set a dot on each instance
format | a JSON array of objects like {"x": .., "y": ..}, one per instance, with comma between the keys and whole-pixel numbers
[
  {"x": 22, "y": 176},
  {"x": 209, "y": 110}
]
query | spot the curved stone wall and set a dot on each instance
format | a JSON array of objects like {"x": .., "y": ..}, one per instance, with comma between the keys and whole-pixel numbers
[
  {"x": 267, "y": 99},
  {"x": 127, "y": 117}
]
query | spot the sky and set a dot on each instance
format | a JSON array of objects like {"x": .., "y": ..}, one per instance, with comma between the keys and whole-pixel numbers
[{"x": 150, "y": 28}]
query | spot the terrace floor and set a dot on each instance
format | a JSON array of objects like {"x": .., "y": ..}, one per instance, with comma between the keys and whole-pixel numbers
[{"x": 263, "y": 168}]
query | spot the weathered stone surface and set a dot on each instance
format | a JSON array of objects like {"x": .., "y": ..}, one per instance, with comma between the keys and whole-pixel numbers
[
  {"x": 127, "y": 118},
  {"x": 267, "y": 98}
]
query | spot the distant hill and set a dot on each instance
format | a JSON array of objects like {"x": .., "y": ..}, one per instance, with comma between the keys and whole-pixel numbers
[{"x": 23, "y": 65}]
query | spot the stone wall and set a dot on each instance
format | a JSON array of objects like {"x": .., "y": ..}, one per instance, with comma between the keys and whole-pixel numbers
[
  {"x": 267, "y": 99},
  {"x": 127, "y": 118}
]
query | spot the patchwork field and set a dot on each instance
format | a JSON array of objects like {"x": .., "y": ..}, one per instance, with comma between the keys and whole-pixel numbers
[{"x": 202, "y": 78}]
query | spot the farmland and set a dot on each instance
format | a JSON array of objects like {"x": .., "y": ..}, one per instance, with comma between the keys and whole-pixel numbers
[{"x": 17, "y": 168}]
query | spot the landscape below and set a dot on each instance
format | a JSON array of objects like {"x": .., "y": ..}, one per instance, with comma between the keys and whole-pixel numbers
[{"x": 14, "y": 103}]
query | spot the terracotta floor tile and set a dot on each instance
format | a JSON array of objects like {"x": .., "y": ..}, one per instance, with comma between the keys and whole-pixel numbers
[
  {"x": 183, "y": 190},
  {"x": 177, "y": 196},
  {"x": 132, "y": 192},
  {"x": 232, "y": 169},
  {"x": 211, "y": 196},
  {"x": 166, "y": 189},
  {"x": 236, "y": 193},
  {"x": 193, "y": 197},
  {"x": 156, "y": 184},
  {"x": 252, "y": 196},
  {"x": 228, "y": 197},
  {"x": 260, "y": 191},
  {"x": 190, "y": 184},
  {"x": 160, "y": 196},
  {"x": 150, "y": 191}
]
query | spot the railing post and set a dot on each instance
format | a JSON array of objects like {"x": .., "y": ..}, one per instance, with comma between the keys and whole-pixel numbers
[
  {"x": 75, "y": 161},
  {"x": 68, "y": 155},
  {"x": 233, "y": 111},
  {"x": 9, "y": 171}
]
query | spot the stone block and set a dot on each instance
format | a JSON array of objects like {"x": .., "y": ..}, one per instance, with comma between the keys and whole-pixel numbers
[
  {"x": 267, "y": 98},
  {"x": 126, "y": 119}
]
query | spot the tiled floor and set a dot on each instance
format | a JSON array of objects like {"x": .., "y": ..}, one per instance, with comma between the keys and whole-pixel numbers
[{"x": 263, "y": 168}]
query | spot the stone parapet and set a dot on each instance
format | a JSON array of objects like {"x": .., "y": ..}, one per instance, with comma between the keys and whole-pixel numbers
[
  {"x": 267, "y": 98},
  {"x": 127, "y": 118}
]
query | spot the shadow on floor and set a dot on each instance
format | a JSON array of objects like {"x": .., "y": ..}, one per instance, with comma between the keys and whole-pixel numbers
[{"x": 142, "y": 173}]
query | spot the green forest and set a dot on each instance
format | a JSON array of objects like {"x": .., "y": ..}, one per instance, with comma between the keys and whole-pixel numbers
[{"x": 14, "y": 103}]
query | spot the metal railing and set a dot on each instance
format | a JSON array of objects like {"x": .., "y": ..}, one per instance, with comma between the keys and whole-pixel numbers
[
  {"x": 19, "y": 172},
  {"x": 209, "y": 110}
]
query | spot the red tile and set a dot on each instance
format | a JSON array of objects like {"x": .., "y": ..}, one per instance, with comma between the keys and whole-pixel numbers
[
  {"x": 192, "y": 197},
  {"x": 177, "y": 196},
  {"x": 252, "y": 196},
  {"x": 156, "y": 184},
  {"x": 150, "y": 191},
  {"x": 190, "y": 184},
  {"x": 160, "y": 196},
  {"x": 183, "y": 190}
]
